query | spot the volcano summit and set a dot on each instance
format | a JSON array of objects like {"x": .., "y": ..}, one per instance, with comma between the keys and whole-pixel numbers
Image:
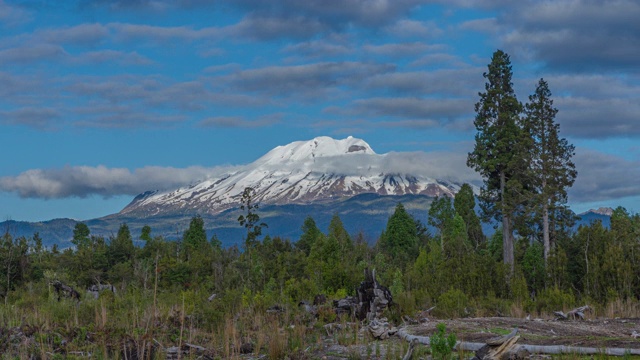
[{"x": 321, "y": 170}]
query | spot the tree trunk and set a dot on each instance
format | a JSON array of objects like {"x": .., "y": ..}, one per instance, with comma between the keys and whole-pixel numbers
[
  {"x": 507, "y": 236},
  {"x": 545, "y": 232}
]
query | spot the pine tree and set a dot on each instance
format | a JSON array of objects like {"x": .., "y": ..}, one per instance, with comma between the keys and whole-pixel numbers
[
  {"x": 121, "y": 248},
  {"x": 196, "y": 236},
  {"x": 441, "y": 215},
  {"x": 310, "y": 233},
  {"x": 81, "y": 235},
  {"x": 551, "y": 169},
  {"x": 464, "y": 203},
  {"x": 497, "y": 155},
  {"x": 400, "y": 238},
  {"x": 337, "y": 230}
]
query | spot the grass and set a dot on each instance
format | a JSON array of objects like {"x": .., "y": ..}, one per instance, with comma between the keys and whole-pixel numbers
[{"x": 499, "y": 331}]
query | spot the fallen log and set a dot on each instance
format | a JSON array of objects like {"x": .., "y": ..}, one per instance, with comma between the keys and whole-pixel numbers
[
  {"x": 533, "y": 349},
  {"x": 409, "y": 353},
  {"x": 573, "y": 314},
  {"x": 381, "y": 329}
]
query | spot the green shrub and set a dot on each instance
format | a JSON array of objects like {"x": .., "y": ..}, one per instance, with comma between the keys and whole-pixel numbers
[
  {"x": 452, "y": 303},
  {"x": 442, "y": 344},
  {"x": 553, "y": 299}
]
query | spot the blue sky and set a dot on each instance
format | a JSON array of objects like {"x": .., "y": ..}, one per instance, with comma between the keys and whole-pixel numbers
[{"x": 101, "y": 100}]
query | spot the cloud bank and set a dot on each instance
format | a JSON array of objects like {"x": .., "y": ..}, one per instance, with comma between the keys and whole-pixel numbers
[{"x": 84, "y": 181}]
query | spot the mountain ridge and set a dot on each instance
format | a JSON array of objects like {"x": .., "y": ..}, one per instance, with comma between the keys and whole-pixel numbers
[{"x": 302, "y": 172}]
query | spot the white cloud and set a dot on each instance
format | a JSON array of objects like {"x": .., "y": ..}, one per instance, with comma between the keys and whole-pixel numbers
[{"x": 83, "y": 181}]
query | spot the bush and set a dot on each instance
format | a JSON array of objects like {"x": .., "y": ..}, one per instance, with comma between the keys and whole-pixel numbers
[
  {"x": 452, "y": 303},
  {"x": 442, "y": 345},
  {"x": 553, "y": 299}
]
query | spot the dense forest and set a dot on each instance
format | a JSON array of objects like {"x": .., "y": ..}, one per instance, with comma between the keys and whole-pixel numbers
[{"x": 193, "y": 290}]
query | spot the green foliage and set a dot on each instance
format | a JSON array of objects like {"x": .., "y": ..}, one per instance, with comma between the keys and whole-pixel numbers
[
  {"x": 310, "y": 233},
  {"x": 453, "y": 303},
  {"x": 145, "y": 233},
  {"x": 464, "y": 204},
  {"x": 551, "y": 170},
  {"x": 500, "y": 149},
  {"x": 553, "y": 299},
  {"x": 533, "y": 267},
  {"x": 441, "y": 214},
  {"x": 442, "y": 344},
  {"x": 250, "y": 221},
  {"x": 399, "y": 241},
  {"x": 121, "y": 248},
  {"x": 195, "y": 238},
  {"x": 80, "y": 235},
  {"x": 337, "y": 231}
]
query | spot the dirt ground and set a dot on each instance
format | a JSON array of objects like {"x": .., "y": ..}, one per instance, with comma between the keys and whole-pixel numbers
[
  {"x": 599, "y": 333},
  {"x": 589, "y": 333}
]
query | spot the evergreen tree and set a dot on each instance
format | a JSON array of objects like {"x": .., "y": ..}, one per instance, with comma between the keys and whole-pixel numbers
[
  {"x": 400, "y": 238},
  {"x": 310, "y": 233},
  {"x": 337, "y": 230},
  {"x": 551, "y": 168},
  {"x": 80, "y": 235},
  {"x": 145, "y": 233},
  {"x": 498, "y": 152},
  {"x": 441, "y": 214},
  {"x": 464, "y": 204},
  {"x": 195, "y": 237},
  {"x": 121, "y": 248}
]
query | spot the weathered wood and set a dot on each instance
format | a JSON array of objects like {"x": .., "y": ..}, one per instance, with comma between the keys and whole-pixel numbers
[
  {"x": 94, "y": 290},
  {"x": 409, "y": 353},
  {"x": 533, "y": 349},
  {"x": 502, "y": 339},
  {"x": 381, "y": 329},
  {"x": 309, "y": 309},
  {"x": 573, "y": 314},
  {"x": 65, "y": 290},
  {"x": 373, "y": 298},
  {"x": 507, "y": 349}
]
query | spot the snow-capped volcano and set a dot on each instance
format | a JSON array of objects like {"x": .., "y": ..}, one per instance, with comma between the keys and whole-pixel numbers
[{"x": 319, "y": 170}]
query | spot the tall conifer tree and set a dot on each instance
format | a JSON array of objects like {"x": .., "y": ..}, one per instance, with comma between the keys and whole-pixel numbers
[
  {"x": 497, "y": 155},
  {"x": 551, "y": 168}
]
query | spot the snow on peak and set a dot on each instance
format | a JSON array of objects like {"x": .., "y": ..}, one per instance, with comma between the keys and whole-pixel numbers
[
  {"x": 606, "y": 211},
  {"x": 320, "y": 147}
]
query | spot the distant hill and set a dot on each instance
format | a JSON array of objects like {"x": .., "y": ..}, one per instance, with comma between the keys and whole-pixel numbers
[
  {"x": 366, "y": 213},
  {"x": 602, "y": 214}
]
